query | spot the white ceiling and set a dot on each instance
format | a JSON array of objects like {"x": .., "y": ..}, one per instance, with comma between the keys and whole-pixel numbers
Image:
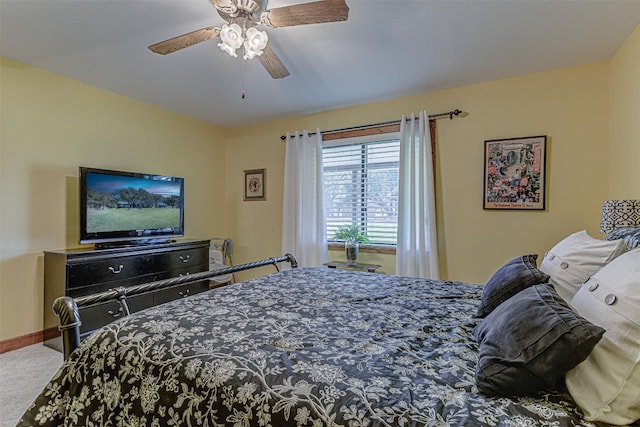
[{"x": 386, "y": 49}]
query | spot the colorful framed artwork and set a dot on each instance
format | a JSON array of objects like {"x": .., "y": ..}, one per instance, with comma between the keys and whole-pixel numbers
[
  {"x": 255, "y": 184},
  {"x": 514, "y": 173}
]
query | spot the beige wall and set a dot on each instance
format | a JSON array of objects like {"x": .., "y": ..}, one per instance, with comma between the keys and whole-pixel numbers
[
  {"x": 50, "y": 126},
  {"x": 570, "y": 106},
  {"x": 624, "y": 135}
]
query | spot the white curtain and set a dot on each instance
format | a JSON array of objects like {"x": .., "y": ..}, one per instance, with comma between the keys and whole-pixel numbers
[
  {"x": 416, "y": 251},
  {"x": 303, "y": 224}
]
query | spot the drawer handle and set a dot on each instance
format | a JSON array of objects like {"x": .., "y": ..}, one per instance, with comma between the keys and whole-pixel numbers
[
  {"x": 184, "y": 294},
  {"x": 185, "y": 258},
  {"x": 116, "y": 271},
  {"x": 114, "y": 314}
]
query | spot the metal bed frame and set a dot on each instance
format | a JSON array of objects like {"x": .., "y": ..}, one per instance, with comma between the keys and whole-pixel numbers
[{"x": 66, "y": 308}]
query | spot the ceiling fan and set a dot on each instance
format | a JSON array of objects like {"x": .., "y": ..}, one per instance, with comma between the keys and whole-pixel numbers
[{"x": 240, "y": 30}]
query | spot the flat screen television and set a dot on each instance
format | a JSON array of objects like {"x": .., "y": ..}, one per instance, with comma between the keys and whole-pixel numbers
[{"x": 118, "y": 208}]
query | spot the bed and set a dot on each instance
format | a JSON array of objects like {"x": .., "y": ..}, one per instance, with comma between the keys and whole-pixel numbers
[{"x": 299, "y": 347}]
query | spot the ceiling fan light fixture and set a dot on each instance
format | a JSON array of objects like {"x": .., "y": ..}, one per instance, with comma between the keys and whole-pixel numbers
[
  {"x": 231, "y": 39},
  {"x": 227, "y": 49},
  {"x": 255, "y": 42},
  {"x": 248, "y": 54}
]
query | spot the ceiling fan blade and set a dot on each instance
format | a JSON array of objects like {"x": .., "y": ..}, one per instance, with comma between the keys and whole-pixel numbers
[
  {"x": 306, "y": 13},
  {"x": 274, "y": 66},
  {"x": 185, "y": 40}
]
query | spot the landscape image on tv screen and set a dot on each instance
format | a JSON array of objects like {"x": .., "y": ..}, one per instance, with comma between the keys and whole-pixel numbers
[{"x": 122, "y": 203}]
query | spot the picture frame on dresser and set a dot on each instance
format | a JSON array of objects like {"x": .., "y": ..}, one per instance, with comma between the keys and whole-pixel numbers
[{"x": 515, "y": 173}]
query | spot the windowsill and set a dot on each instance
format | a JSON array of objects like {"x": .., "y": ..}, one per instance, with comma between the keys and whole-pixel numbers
[{"x": 376, "y": 249}]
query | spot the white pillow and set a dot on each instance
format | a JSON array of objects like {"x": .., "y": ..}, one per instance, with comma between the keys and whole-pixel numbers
[
  {"x": 575, "y": 259},
  {"x": 606, "y": 385}
]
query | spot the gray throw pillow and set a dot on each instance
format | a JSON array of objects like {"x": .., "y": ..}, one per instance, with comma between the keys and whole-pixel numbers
[
  {"x": 511, "y": 278},
  {"x": 529, "y": 342}
]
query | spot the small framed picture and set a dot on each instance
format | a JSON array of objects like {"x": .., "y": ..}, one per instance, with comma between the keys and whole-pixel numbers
[
  {"x": 514, "y": 173},
  {"x": 255, "y": 184}
]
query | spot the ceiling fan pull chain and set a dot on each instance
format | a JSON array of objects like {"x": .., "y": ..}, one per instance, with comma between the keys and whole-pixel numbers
[{"x": 243, "y": 79}]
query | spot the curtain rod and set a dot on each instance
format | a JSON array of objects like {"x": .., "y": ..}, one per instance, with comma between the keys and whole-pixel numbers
[{"x": 451, "y": 113}]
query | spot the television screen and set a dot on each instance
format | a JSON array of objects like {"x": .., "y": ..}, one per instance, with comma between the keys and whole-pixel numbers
[{"x": 118, "y": 206}]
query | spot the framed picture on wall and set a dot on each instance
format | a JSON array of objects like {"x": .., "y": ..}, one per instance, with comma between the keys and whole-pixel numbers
[
  {"x": 514, "y": 173},
  {"x": 255, "y": 184}
]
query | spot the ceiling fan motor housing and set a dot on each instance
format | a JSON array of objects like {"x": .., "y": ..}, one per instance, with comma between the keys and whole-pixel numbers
[{"x": 249, "y": 9}]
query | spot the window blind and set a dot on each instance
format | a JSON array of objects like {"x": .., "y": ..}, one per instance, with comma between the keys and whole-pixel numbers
[{"x": 361, "y": 185}]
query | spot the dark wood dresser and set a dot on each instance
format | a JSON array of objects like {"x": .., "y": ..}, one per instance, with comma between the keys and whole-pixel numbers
[{"x": 78, "y": 272}]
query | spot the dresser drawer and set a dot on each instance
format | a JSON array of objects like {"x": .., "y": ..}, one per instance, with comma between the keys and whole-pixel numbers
[
  {"x": 96, "y": 316},
  {"x": 180, "y": 291},
  {"x": 109, "y": 269},
  {"x": 182, "y": 259},
  {"x": 114, "y": 284}
]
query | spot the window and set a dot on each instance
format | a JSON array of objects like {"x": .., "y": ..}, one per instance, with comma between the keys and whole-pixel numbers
[{"x": 361, "y": 185}]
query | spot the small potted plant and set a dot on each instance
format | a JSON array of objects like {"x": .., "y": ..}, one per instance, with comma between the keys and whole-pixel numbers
[{"x": 352, "y": 237}]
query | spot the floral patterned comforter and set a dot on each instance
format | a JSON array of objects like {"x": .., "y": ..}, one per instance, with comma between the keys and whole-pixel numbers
[{"x": 303, "y": 347}]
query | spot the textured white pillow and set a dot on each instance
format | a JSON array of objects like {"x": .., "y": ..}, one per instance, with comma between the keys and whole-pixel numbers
[
  {"x": 606, "y": 385},
  {"x": 575, "y": 259}
]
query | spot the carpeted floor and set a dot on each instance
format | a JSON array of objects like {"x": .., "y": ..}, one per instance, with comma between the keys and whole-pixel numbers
[{"x": 23, "y": 374}]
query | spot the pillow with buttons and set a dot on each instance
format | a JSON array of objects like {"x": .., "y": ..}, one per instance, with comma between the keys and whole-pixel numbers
[
  {"x": 606, "y": 385},
  {"x": 575, "y": 259},
  {"x": 508, "y": 280}
]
